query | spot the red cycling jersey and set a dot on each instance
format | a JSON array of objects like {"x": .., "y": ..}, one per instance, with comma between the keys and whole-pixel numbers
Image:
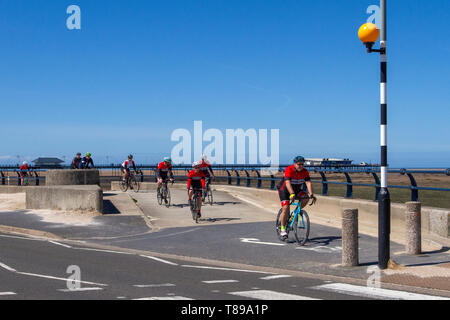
[
  {"x": 195, "y": 178},
  {"x": 297, "y": 178},
  {"x": 24, "y": 167},
  {"x": 128, "y": 164},
  {"x": 206, "y": 168}
]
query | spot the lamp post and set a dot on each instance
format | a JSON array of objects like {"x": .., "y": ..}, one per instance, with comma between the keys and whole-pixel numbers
[{"x": 369, "y": 34}]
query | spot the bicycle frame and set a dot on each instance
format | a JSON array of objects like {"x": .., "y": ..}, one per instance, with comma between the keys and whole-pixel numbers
[{"x": 294, "y": 215}]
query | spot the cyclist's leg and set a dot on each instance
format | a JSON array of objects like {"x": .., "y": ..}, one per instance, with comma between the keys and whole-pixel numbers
[{"x": 284, "y": 198}]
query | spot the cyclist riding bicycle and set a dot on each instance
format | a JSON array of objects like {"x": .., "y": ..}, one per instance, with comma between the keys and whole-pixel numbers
[
  {"x": 206, "y": 168},
  {"x": 195, "y": 183},
  {"x": 87, "y": 162},
  {"x": 126, "y": 167},
  {"x": 24, "y": 168},
  {"x": 164, "y": 171},
  {"x": 290, "y": 188},
  {"x": 76, "y": 162}
]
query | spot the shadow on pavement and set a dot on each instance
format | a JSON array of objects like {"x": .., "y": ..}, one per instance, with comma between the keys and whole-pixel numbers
[
  {"x": 109, "y": 208},
  {"x": 324, "y": 241}
]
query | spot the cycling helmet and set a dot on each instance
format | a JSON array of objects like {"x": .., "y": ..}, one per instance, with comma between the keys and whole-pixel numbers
[
  {"x": 130, "y": 156},
  {"x": 299, "y": 159},
  {"x": 167, "y": 159},
  {"x": 88, "y": 154},
  {"x": 204, "y": 157},
  {"x": 196, "y": 164},
  {"x": 25, "y": 163},
  {"x": 79, "y": 154}
]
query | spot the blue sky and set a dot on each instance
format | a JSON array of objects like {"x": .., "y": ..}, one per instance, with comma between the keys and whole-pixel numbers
[{"x": 138, "y": 70}]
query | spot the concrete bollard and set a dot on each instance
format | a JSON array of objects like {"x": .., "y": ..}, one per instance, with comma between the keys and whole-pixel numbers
[
  {"x": 413, "y": 228},
  {"x": 350, "y": 256}
]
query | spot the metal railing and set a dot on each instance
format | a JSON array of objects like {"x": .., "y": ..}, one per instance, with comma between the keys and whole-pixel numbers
[{"x": 235, "y": 174}]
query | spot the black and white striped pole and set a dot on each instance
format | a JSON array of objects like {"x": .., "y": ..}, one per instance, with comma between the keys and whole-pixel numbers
[{"x": 369, "y": 34}]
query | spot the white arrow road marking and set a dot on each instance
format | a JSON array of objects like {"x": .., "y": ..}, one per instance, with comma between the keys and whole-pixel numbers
[
  {"x": 7, "y": 293},
  {"x": 160, "y": 260},
  {"x": 377, "y": 293},
  {"x": 256, "y": 241},
  {"x": 269, "y": 295},
  {"x": 4, "y": 266},
  {"x": 321, "y": 249}
]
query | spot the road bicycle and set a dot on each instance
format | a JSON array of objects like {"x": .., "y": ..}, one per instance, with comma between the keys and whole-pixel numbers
[
  {"x": 163, "y": 194},
  {"x": 131, "y": 182},
  {"x": 208, "y": 195},
  {"x": 25, "y": 178},
  {"x": 194, "y": 204},
  {"x": 298, "y": 223}
]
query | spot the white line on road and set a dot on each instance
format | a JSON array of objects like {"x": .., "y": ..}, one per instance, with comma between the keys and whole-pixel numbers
[
  {"x": 61, "y": 279},
  {"x": 154, "y": 285},
  {"x": 102, "y": 250},
  {"x": 80, "y": 289},
  {"x": 160, "y": 260},
  {"x": 377, "y": 293},
  {"x": 219, "y": 281},
  {"x": 4, "y": 266},
  {"x": 60, "y": 244},
  {"x": 165, "y": 298},
  {"x": 256, "y": 241},
  {"x": 7, "y": 293},
  {"x": 269, "y": 295},
  {"x": 279, "y": 276},
  {"x": 225, "y": 269}
]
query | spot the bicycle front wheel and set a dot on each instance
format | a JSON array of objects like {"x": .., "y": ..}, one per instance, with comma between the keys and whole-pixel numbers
[
  {"x": 301, "y": 228},
  {"x": 210, "y": 196},
  {"x": 135, "y": 183},
  {"x": 159, "y": 195},
  {"x": 167, "y": 197},
  {"x": 123, "y": 185}
]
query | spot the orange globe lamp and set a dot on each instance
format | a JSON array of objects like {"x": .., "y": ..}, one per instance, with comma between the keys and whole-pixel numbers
[{"x": 369, "y": 34}]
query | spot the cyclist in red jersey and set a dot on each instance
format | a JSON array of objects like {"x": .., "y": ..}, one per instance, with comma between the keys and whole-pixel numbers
[
  {"x": 126, "y": 165},
  {"x": 206, "y": 168},
  {"x": 164, "y": 171},
  {"x": 24, "y": 171},
  {"x": 290, "y": 188},
  {"x": 196, "y": 181}
]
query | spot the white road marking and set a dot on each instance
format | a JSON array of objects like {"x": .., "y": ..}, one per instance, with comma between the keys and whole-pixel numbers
[
  {"x": 256, "y": 241},
  {"x": 60, "y": 244},
  {"x": 102, "y": 250},
  {"x": 61, "y": 279},
  {"x": 269, "y": 295},
  {"x": 377, "y": 293},
  {"x": 80, "y": 289},
  {"x": 7, "y": 293},
  {"x": 225, "y": 269},
  {"x": 219, "y": 281},
  {"x": 154, "y": 285},
  {"x": 160, "y": 260},
  {"x": 279, "y": 276},
  {"x": 4, "y": 266},
  {"x": 321, "y": 249},
  {"x": 165, "y": 298}
]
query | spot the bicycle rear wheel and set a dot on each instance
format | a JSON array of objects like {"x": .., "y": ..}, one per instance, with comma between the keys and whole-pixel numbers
[
  {"x": 301, "y": 228},
  {"x": 123, "y": 185}
]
